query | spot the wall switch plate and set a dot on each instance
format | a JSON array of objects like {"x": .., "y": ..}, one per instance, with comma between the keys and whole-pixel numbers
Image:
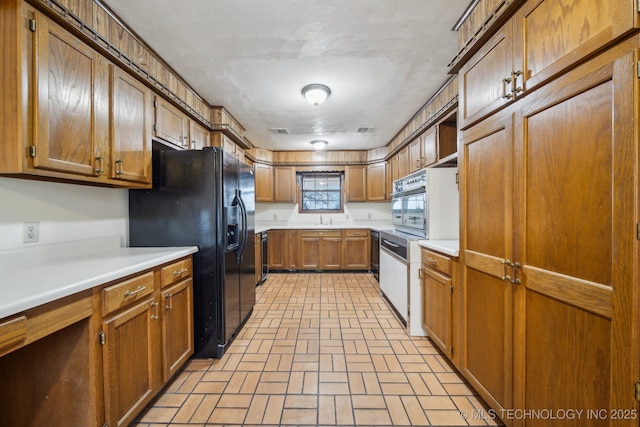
[{"x": 30, "y": 232}]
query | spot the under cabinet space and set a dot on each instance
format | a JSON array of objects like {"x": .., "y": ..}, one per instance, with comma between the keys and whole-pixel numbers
[{"x": 62, "y": 393}]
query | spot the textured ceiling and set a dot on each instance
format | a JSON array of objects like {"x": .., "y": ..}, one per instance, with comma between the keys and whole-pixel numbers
[{"x": 382, "y": 59}]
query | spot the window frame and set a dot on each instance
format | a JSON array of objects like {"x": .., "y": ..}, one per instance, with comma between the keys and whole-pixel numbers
[{"x": 299, "y": 178}]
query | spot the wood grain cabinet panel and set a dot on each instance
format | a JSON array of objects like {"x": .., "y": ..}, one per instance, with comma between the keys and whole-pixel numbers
[
  {"x": 377, "y": 182},
  {"x": 131, "y": 112},
  {"x": 276, "y": 249},
  {"x": 356, "y": 250},
  {"x": 130, "y": 359},
  {"x": 488, "y": 233},
  {"x": 356, "y": 183},
  {"x": 429, "y": 146},
  {"x": 177, "y": 327},
  {"x": 171, "y": 125},
  {"x": 264, "y": 182},
  {"x": 543, "y": 179},
  {"x": 529, "y": 50},
  {"x": 415, "y": 155},
  {"x": 68, "y": 101},
  {"x": 199, "y": 136},
  {"x": 284, "y": 184}
]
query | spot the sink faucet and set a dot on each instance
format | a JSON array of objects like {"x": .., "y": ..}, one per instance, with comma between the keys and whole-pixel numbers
[{"x": 320, "y": 219}]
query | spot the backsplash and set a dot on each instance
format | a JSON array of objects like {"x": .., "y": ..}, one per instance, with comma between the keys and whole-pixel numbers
[
  {"x": 287, "y": 214},
  {"x": 64, "y": 211}
]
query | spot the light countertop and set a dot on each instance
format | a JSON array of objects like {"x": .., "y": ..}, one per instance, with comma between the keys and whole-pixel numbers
[
  {"x": 447, "y": 247},
  {"x": 372, "y": 225},
  {"x": 34, "y": 276}
]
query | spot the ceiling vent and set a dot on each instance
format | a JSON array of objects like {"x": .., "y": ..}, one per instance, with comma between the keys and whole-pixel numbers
[
  {"x": 364, "y": 130},
  {"x": 280, "y": 131}
]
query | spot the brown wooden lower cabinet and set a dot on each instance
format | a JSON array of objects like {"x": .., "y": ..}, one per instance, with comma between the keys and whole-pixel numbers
[
  {"x": 111, "y": 349},
  {"x": 439, "y": 281},
  {"x": 145, "y": 340},
  {"x": 334, "y": 249}
]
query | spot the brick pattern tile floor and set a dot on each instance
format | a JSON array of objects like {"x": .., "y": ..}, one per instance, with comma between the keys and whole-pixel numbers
[{"x": 319, "y": 350}]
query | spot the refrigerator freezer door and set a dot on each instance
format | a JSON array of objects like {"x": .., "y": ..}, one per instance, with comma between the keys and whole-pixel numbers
[{"x": 248, "y": 262}]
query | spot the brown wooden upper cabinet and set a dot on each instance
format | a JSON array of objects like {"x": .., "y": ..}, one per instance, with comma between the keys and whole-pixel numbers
[
  {"x": 356, "y": 183},
  {"x": 264, "y": 182},
  {"x": 86, "y": 120},
  {"x": 131, "y": 105},
  {"x": 199, "y": 136},
  {"x": 403, "y": 162},
  {"x": 415, "y": 155},
  {"x": 171, "y": 125},
  {"x": 69, "y": 84},
  {"x": 377, "y": 182},
  {"x": 429, "y": 141},
  {"x": 284, "y": 184},
  {"x": 520, "y": 56}
]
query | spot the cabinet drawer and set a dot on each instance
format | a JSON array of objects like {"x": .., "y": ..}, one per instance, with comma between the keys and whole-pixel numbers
[
  {"x": 13, "y": 332},
  {"x": 436, "y": 261},
  {"x": 321, "y": 233},
  {"x": 175, "y": 272},
  {"x": 357, "y": 233},
  {"x": 124, "y": 293}
]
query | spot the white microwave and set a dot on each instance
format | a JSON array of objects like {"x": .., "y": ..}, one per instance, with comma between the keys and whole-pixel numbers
[{"x": 426, "y": 204}]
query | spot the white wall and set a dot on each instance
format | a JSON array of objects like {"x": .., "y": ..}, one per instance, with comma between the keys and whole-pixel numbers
[
  {"x": 287, "y": 214},
  {"x": 65, "y": 211}
]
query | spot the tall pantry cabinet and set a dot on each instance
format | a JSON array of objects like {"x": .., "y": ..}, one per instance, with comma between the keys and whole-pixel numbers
[{"x": 549, "y": 172}]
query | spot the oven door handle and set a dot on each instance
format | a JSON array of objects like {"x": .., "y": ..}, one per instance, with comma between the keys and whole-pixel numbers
[{"x": 390, "y": 243}]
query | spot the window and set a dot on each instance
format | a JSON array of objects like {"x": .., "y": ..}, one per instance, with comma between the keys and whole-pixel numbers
[{"x": 321, "y": 192}]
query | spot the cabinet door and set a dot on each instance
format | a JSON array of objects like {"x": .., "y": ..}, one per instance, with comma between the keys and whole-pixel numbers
[
  {"x": 264, "y": 182},
  {"x": 430, "y": 146},
  {"x": 436, "y": 308},
  {"x": 575, "y": 196},
  {"x": 543, "y": 51},
  {"x": 356, "y": 252},
  {"x": 199, "y": 136},
  {"x": 377, "y": 182},
  {"x": 130, "y": 359},
  {"x": 285, "y": 184},
  {"x": 131, "y": 106},
  {"x": 415, "y": 155},
  {"x": 291, "y": 251},
  {"x": 177, "y": 327},
  {"x": 403, "y": 162},
  {"x": 356, "y": 183},
  {"x": 484, "y": 80},
  {"x": 170, "y": 124},
  {"x": 487, "y": 170},
  {"x": 68, "y": 102},
  {"x": 309, "y": 251},
  {"x": 276, "y": 249},
  {"x": 331, "y": 253}
]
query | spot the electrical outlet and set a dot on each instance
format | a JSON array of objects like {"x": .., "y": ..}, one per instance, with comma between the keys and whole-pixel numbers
[
  {"x": 30, "y": 232},
  {"x": 369, "y": 216}
]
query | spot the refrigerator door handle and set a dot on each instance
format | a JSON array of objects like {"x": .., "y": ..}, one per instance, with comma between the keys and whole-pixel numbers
[{"x": 244, "y": 233}]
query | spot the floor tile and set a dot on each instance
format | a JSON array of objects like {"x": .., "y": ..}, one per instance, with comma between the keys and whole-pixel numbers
[{"x": 319, "y": 350}]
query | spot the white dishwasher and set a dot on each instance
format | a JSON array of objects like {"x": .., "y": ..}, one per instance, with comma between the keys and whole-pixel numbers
[{"x": 399, "y": 281}]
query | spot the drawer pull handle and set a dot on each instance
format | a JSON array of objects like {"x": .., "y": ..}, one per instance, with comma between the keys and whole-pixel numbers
[
  {"x": 432, "y": 260},
  {"x": 138, "y": 290},
  {"x": 180, "y": 272}
]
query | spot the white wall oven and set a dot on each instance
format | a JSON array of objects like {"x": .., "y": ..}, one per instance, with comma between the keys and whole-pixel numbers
[{"x": 425, "y": 204}]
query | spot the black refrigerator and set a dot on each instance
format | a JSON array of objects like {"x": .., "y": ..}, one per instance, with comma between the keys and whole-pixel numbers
[{"x": 204, "y": 198}]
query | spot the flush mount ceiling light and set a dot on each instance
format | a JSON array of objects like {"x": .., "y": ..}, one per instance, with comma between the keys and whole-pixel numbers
[
  {"x": 316, "y": 94},
  {"x": 319, "y": 144}
]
